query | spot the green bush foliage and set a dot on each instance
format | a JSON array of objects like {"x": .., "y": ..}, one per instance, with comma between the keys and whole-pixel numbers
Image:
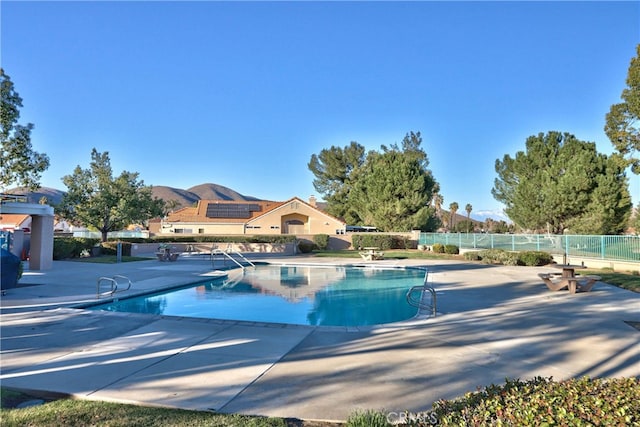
[
  {"x": 133, "y": 239},
  {"x": 305, "y": 247},
  {"x": 367, "y": 418},
  {"x": 451, "y": 249},
  {"x": 438, "y": 248},
  {"x": 111, "y": 248},
  {"x": 472, "y": 256},
  {"x": 498, "y": 256},
  {"x": 534, "y": 258},
  {"x": 403, "y": 242},
  {"x": 366, "y": 240},
  {"x": 542, "y": 401},
  {"x": 71, "y": 247},
  {"x": 321, "y": 241}
]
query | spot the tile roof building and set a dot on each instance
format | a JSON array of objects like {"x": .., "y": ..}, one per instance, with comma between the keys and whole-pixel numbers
[{"x": 224, "y": 217}]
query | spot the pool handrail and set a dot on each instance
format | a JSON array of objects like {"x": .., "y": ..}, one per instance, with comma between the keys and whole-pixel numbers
[
  {"x": 216, "y": 251},
  {"x": 113, "y": 281},
  {"x": 421, "y": 304}
]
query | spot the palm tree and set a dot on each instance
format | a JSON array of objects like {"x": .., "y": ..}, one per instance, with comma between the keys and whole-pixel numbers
[
  {"x": 469, "y": 225},
  {"x": 438, "y": 200},
  {"x": 489, "y": 224},
  {"x": 453, "y": 208}
]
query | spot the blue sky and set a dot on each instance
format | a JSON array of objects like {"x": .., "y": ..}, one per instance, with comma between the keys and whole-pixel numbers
[{"x": 243, "y": 93}]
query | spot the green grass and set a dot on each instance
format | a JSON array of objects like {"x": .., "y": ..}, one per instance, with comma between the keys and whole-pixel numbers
[
  {"x": 70, "y": 412},
  {"x": 622, "y": 280},
  {"x": 388, "y": 254},
  {"x": 109, "y": 259},
  {"x": 625, "y": 280}
]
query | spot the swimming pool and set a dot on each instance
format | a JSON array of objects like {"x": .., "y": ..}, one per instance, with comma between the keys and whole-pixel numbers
[{"x": 302, "y": 295}]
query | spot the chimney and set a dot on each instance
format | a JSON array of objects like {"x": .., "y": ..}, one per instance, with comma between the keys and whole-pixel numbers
[{"x": 312, "y": 201}]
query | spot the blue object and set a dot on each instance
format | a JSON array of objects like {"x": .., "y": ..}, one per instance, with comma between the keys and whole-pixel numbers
[
  {"x": 302, "y": 295},
  {"x": 9, "y": 270}
]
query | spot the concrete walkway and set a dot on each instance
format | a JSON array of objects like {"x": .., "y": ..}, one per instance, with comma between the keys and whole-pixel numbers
[{"x": 494, "y": 322}]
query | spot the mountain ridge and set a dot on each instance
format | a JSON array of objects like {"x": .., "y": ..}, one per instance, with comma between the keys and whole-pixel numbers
[{"x": 184, "y": 198}]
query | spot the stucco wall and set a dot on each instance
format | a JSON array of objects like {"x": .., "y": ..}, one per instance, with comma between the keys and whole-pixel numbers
[
  {"x": 308, "y": 221},
  {"x": 208, "y": 228},
  {"x": 149, "y": 249}
]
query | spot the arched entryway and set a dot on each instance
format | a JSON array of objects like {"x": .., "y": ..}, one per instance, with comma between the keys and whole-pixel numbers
[{"x": 295, "y": 224}]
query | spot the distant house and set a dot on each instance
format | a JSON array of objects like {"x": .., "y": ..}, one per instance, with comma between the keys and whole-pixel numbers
[
  {"x": 12, "y": 222},
  {"x": 224, "y": 217}
]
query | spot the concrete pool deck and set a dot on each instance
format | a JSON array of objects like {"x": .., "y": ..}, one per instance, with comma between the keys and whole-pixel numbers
[{"x": 494, "y": 322}]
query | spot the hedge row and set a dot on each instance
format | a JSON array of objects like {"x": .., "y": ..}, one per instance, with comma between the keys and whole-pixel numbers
[
  {"x": 75, "y": 247},
  {"x": 72, "y": 247},
  {"x": 536, "y": 402},
  {"x": 382, "y": 241},
  {"x": 541, "y": 401},
  {"x": 439, "y": 248},
  {"x": 500, "y": 256}
]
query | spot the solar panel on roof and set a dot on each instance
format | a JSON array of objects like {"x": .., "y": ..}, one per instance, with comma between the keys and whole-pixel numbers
[{"x": 232, "y": 210}]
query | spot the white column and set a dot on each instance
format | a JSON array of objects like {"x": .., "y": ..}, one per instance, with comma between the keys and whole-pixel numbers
[{"x": 41, "y": 252}]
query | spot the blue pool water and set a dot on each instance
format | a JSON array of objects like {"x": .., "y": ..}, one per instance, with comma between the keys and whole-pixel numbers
[{"x": 302, "y": 295}]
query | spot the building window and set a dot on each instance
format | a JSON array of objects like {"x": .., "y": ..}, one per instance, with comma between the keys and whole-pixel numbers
[
  {"x": 184, "y": 230},
  {"x": 200, "y": 230},
  {"x": 275, "y": 227}
]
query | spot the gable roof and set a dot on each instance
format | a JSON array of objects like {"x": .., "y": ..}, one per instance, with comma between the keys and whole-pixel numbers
[
  {"x": 222, "y": 211},
  {"x": 199, "y": 212},
  {"x": 14, "y": 220},
  {"x": 297, "y": 199}
]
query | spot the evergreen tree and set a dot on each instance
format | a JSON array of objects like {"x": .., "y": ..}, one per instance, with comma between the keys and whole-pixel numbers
[
  {"x": 560, "y": 182},
  {"x": 622, "y": 119},
  {"x": 335, "y": 170},
  {"x": 390, "y": 189},
  {"x": 394, "y": 188}
]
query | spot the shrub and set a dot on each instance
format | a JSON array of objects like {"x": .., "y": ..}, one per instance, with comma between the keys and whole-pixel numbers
[
  {"x": 438, "y": 248},
  {"x": 321, "y": 241},
  {"x": 71, "y": 247},
  {"x": 367, "y": 418},
  {"x": 305, "y": 247},
  {"x": 492, "y": 256},
  {"x": 403, "y": 242},
  {"x": 111, "y": 248},
  {"x": 510, "y": 258},
  {"x": 534, "y": 258},
  {"x": 541, "y": 401},
  {"x": 382, "y": 241},
  {"x": 472, "y": 256},
  {"x": 63, "y": 247},
  {"x": 451, "y": 249}
]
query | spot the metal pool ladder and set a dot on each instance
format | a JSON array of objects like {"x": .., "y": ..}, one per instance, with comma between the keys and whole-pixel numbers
[
  {"x": 421, "y": 303},
  {"x": 227, "y": 252},
  {"x": 113, "y": 283}
]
